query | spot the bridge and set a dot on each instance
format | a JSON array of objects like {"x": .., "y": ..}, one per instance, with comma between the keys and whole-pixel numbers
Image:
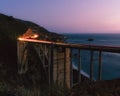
[{"x": 56, "y": 59}]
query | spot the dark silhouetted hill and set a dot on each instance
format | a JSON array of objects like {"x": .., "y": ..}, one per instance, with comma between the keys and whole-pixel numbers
[{"x": 10, "y": 29}]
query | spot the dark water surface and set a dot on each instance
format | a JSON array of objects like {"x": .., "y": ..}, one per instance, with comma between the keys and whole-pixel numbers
[{"x": 110, "y": 61}]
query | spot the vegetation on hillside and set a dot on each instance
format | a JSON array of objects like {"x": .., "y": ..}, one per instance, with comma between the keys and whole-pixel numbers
[{"x": 10, "y": 29}]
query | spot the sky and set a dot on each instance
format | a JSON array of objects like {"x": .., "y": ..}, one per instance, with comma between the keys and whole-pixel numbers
[{"x": 67, "y": 16}]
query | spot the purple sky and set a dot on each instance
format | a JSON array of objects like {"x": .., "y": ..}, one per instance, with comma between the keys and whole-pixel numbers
[{"x": 64, "y": 16}]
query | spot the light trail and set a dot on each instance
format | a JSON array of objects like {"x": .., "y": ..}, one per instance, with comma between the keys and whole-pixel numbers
[
  {"x": 46, "y": 42},
  {"x": 115, "y": 49},
  {"x": 36, "y": 41}
]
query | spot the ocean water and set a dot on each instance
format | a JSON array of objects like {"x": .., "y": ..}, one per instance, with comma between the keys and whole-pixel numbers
[{"x": 110, "y": 61}]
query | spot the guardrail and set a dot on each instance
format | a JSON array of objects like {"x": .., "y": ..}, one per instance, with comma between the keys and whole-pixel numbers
[{"x": 52, "y": 50}]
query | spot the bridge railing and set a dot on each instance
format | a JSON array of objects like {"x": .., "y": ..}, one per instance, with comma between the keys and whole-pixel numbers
[{"x": 59, "y": 58}]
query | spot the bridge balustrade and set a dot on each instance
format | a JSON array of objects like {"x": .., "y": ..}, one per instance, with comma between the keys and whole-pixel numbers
[{"x": 57, "y": 60}]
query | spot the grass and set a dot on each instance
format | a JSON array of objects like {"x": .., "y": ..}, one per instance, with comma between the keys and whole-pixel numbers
[{"x": 53, "y": 90}]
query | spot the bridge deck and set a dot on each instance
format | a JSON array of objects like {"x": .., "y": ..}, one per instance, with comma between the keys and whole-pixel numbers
[
  {"x": 60, "y": 56},
  {"x": 115, "y": 49}
]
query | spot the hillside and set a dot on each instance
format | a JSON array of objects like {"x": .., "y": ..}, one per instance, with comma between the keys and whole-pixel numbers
[{"x": 10, "y": 29}]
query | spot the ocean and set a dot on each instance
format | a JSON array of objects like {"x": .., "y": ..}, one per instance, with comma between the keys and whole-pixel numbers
[{"x": 110, "y": 61}]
